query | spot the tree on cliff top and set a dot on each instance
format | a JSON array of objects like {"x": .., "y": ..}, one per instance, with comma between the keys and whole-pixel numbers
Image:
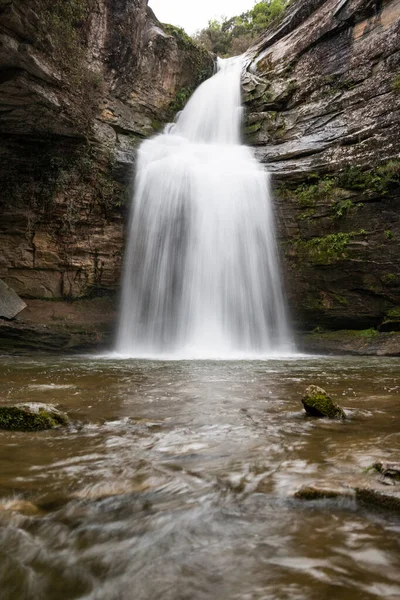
[{"x": 230, "y": 37}]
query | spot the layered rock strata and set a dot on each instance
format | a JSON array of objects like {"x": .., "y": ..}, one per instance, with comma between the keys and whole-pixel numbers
[
  {"x": 322, "y": 93},
  {"x": 81, "y": 84}
]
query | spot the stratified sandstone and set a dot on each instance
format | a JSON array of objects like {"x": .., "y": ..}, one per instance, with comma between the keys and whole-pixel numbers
[
  {"x": 322, "y": 93},
  {"x": 81, "y": 84}
]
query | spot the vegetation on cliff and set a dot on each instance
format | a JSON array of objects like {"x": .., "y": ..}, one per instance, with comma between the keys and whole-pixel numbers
[
  {"x": 62, "y": 33},
  {"x": 230, "y": 37}
]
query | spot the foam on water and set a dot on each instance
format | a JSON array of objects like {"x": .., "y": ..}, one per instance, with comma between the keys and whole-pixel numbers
[{"x": 201, "y": 275}]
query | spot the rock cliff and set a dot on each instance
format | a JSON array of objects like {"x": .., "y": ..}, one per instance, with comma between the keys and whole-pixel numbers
[
  {"x": 81, "y": 83},
  {"x": 322, "y": 93}
]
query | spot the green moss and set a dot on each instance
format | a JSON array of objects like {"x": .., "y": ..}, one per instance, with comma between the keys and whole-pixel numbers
[
  {"x": 62, "y": 34},
  {"x": 317, "y": 403},
  {"x": 389, "y": 278},
  {"x": 307, "y": 195},
  {"x": 312, "y": 303},
  {"x": 366, "y": 333},
  {"x": 182, "y": 38},
  {"x": 199, "y": 59},
  {"x": 336, "y": 189},
  {"x": 64, "y": 26},
  {"x": 340, "y": 300},
  {"x": 180, "y": 100},
  {"x": 372, "y": 468},
  {"x": 396, "y": 84},
  {"x": 307, "y": 214},
  {"x": 253, "y": 128},
  {"x": 347, "y": 333},
  {"x": 322, "y": 404},
  {"x": 393, "y": 313},
  {"x": 378, "y": 180},
  {"x": 346, "y": 84},
  {"x": 15, "y": 418},
  {"x": 328, "y": 249},
  {"x": 156, "y": 125},
  {"x": 343, "y": 207},
  {"x": 388, "y": 234}
]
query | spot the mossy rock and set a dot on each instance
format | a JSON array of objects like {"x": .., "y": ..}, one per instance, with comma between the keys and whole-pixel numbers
[
  {"x": 378, "y": 499},
  {"x": 31, "y": 416},
  {"x": 318, "y": 403},
  {"x": 387, "y": 469}
]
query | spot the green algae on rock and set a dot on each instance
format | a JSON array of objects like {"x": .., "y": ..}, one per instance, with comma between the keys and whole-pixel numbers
[
  {"x": 31, "y": 416},
  {"x": 318, "y": 403}
]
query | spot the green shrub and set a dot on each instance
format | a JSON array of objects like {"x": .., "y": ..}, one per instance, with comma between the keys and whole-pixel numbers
[{"x": 230, "y": 37}]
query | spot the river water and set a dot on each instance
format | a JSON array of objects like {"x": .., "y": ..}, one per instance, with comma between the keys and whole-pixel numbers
[{"x": 176, "y": 481}]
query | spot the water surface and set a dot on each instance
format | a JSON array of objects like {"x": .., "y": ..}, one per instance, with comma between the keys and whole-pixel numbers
[{"x": 176, "y": 481}]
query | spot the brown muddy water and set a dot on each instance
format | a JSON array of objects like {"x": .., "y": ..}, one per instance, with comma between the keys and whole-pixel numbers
[{"x": 176, "y": 481}]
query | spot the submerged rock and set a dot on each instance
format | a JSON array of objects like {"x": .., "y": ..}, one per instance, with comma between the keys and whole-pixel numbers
[
  {"x": 388, "y": 470},
  {"x": 18, "y": 505},
  {"x": 323, "y": 491},
  {"x": 369, "y": 489},
  {"x": 31, "y": 416},
  {"x": 371, "y": 495},
  {"x": 318, "y": 403},
  {"x": 384, "y": 499}
]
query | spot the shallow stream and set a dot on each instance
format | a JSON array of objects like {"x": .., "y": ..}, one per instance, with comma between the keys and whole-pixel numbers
[{"x": 176, "y": 481}]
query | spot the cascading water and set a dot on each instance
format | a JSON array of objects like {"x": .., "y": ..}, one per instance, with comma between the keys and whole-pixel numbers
[{"x": 201, "y": 276}]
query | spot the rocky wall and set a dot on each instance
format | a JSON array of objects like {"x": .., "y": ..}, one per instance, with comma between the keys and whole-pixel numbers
[
  {"x": 81, "y": 84},
  {"x": 322, "y": 95}
]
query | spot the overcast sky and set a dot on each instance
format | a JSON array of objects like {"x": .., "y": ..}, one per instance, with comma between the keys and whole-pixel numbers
[{"x": 193, "y": 15}]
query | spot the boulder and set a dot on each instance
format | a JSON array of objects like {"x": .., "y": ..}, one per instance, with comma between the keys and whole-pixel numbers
[
  {"x": 31, "y": 416},
  {"x": 318, "y": 403},
  {"x": 10, "y": 303}
]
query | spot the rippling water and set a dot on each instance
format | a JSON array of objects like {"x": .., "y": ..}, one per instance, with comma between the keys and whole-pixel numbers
[{"x": 176, "y": 481}]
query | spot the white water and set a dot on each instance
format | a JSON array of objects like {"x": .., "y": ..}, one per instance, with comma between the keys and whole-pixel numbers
[{"x": 201, "y": 276}]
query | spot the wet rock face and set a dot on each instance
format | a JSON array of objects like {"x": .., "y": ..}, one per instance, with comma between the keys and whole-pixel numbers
[
  {"x": 322, "y": 97},
  {"x": 81, "y": 84}
]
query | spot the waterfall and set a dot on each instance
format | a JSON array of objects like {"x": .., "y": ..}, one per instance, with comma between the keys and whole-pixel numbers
[{"x": 201, "y": 273}]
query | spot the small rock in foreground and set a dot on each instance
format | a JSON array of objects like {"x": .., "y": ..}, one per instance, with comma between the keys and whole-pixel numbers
[
  {"x": 373, "y": 495},
  {"x": 389, "y": 472},
  {"x": 31, "y": 416},
  {"x": 323, "y": 491},
  {"x": 318, "y": 403}
]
